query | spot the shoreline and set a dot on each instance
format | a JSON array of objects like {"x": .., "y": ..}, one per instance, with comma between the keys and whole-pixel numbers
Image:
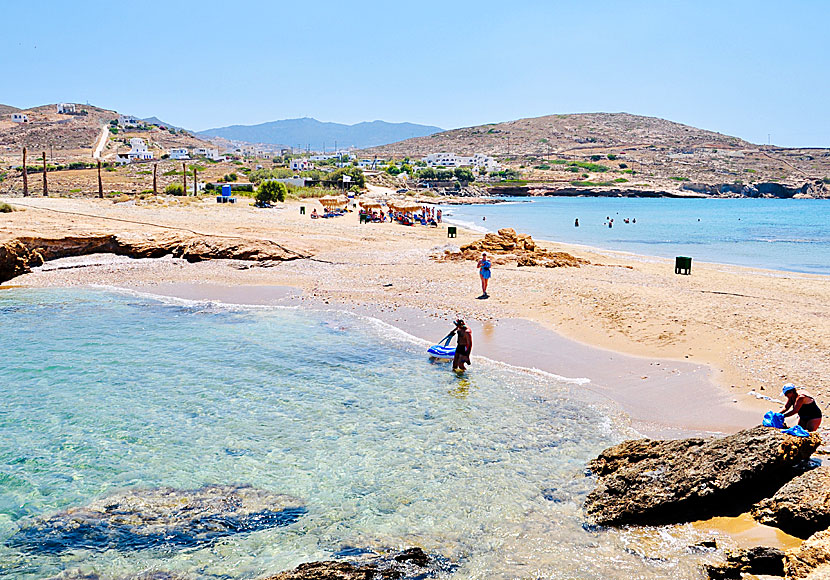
[{"x": 776, "y": 332}]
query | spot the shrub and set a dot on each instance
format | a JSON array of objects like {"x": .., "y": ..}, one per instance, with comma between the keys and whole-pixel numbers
[
  {"x": 6, "y": 208},
  {"x": 596, "y": 157},
  {"x": 675, "y": 178},
  {"x": 465, "y": 175},
  {"x": 590, "y": 183},
  {"x": 623, "y": 165},
  {"x": 174, "y": 189},
  {"x": 611, "y": 157},
  {"x": 621, "y": 180},
  {"x": 393, "y": 169},
  {"x": 270, "y": 191},
  {"x": 826, "y": 179}
]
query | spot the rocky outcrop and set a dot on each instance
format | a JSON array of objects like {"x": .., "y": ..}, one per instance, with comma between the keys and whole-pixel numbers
[
  {"x": 409, "y": 564},
  {"x": 764, "y": 189},
  {"x": 758, "y": 560},
  {"x": 654, "y": 481},
  {"x": 800, "y": 508},
  {"x": 19, "y": 255},
  {"x": 146, "y": 518},
  {"x": 507, "y": 246},
  {"x": 811, "y": 560}
]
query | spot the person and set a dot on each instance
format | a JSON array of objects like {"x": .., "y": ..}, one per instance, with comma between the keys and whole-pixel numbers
[
  {"x": 576, "y": 223},
  {"x": 484, "y": 273},
  {"x": 809, "y": 413},
  {"x": 439, "y": 216},
  {"x": 314, "y": 214},
  {"x": 464, "y": 346}
]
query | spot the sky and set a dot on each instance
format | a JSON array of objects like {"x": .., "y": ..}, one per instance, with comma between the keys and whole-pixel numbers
[{"x": 757, "y": 70}]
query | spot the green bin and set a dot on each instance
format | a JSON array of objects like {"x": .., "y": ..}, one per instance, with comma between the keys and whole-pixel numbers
[
  {"x": 682, "y": 265},
  {"x": 302, "y": 210},
  {"x": 451, "y": 231}
]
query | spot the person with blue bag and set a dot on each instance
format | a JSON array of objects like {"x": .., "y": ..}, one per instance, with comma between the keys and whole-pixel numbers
[
  {"x": 484, "y": 272},
  {"x": 803, "y": 404}
]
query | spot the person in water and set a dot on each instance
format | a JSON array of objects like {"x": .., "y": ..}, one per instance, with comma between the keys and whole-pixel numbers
[
  {"x": 809, "y": 413},
  {"x": 484, "y": 272},
  {"x": 463, "y": 347}
]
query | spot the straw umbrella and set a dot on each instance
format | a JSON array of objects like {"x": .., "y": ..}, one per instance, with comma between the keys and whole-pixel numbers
[
  {"x": 370, "y": 204},
  {"x": 331, "y": 201}
]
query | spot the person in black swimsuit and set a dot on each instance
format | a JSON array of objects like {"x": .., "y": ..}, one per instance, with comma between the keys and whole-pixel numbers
[{"x": 809, "y": 413}]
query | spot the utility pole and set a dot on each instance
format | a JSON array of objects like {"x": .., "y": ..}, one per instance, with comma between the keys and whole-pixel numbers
[
  {"x": 100, "y": 183},
  {"x": 25, "y": 176},
  {"x": 184, "y": 179},
  {"x": 195, "y": 188},
  {"x": 155, "y": 177},
  {"x": 45, "y": 185}
]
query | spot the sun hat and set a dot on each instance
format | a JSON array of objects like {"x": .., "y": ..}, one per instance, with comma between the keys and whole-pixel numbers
[{"x": 787, "y": 388}]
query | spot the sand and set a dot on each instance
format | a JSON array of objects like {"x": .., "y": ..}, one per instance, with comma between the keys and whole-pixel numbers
[{"x": 675, "y": 352}]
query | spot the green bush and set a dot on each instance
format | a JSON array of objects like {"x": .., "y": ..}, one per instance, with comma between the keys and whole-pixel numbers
[
  {"x": 628, "y": 171},
  {"x": 6, "y": 208},
  {"x": 590, "y": 183},
  {"x": 611, "y": 157},
  {"x": 623, "y": 165},
  {"x": 174, "y": 189},
  {"x": 675, "y": 178},
  {"x": 335, "y": 178},
  {"x": 596, "y": 157},
  {"x": 464, "y": 175},
  {"x": 393, "y": 169},
  {"x": 826, "y": 179},
  {"x": 621, "y": 180},
  {"x": 270, "y": 191}
]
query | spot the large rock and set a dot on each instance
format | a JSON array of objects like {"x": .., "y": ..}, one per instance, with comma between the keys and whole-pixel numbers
[
  {"x": 800, "y": 508},
  {"x": 145, "y": 518},
  {"x": 653, "y": 481},
  {"x": 506, "y": 246},
  {"x": 409, "y": 564},
  {"x": 811, "y": 560}
]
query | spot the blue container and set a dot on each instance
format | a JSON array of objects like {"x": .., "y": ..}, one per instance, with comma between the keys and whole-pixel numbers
[{"x": 226, "y": 191}]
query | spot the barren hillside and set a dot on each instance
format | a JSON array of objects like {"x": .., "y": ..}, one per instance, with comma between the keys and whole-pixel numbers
[{"x": 644, "y": 151}]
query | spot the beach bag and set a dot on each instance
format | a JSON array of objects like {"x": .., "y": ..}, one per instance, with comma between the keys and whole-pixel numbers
[
  {"x": 797, "y": 431},
  {"x": 773, "y": 419}
]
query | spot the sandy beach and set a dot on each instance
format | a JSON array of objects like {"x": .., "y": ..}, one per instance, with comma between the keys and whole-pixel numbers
[{"x": 675, "y": 352}]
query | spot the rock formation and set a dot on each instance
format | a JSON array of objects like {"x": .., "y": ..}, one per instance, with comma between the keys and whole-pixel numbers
[
  {"x": 507, "y": 246},
  {"x": 409, "y": 564},
  {"x": 758, "y": 560},
  {"x": 19, "y": 255},
  {"x": 653, "y": 481},
  {"x": 811, "y": 560},
  {"x": 138, "y": 519},
  {"x": 800, "y": 508}
]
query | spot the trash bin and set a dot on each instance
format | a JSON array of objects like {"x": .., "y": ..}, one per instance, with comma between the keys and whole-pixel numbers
[
  {"x": 682, "y": 265},
  {"x": 451, "y": 231},
  {"x": 302, "y": 210}
]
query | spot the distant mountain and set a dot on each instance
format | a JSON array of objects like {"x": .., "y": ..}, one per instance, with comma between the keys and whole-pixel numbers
[
  {"x": 8, "y": 109},
  {"x": 308, "y": 132},
  {"x": 160, "y": 123}
]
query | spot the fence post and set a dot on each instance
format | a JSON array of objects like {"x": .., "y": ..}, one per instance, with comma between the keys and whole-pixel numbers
[
  {"x": 100, "y": 183},
  {"x": 45, "y": 184},
  {"x": 184, "y": 178},
  {"x": 155, "y": 178}
]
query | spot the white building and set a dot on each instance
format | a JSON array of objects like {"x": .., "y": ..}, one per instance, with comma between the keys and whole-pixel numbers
[
  {"x": 127, "y": 121},
  {"x": 138, "y": 150},
  {"x": 212, "y": 154},
  {"x": 179, "y": 153},
  {"x": 66, "y": 108},
  {"x": 371, "y": 163},
  {"x": 301, "y": 164},
  {"x": 20, "y": 118},
  {"x": 451, "y": 160}
]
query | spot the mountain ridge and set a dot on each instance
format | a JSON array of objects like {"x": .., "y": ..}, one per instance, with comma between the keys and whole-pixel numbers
[{"x": 309, "y": 132}]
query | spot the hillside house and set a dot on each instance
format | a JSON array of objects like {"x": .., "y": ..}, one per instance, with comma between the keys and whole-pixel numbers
[
  {"x": 138, "y": 152},
  {"x": 179, "y": 153},
  {"x": 212, "y": 154},
  {"x": 451, "y": 160},
  {"x": 20, "y": 118},
  {"x": 66, "y": 109},
  {"x": 128, "y": 121},
  {"x": 301, "y": 164},
  {"x": 371, "y": 163}
]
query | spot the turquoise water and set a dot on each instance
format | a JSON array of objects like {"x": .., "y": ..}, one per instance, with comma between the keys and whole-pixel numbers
[
  {"x": 104, "y": 391},
  {"x": 779, "y": 234}
]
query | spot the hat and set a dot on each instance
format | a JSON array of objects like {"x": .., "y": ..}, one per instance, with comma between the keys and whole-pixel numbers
[
  {"x": 459, "y": 322},
  {"x": 787, "y": 388}
]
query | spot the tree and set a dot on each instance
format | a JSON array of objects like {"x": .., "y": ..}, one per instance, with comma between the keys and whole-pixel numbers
[
  {"x": 393, "y": 169},
  {"x": 335, "y": 178},
  {"x": 596, "y": 157},
  {"x": 426, "y": 173},
  {"x": 270, "y": 191},
  {"x": 611, "y": 157},
  {"x": 464, "y": 175}
]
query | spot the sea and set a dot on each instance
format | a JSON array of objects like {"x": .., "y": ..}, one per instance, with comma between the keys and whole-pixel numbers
[
  {"x": 108, "y": 391},
  {"x": 777, "y": 234}
]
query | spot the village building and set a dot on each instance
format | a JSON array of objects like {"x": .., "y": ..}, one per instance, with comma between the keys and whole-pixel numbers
[
  {"x": 66, "y": 109},
  {"x": 20, "y": 118},
  {"x": 301, "y": 164},
  {"x": 128, "y": 121},
  {"x": 179, "y": 153},
  {"x": 212, "y": 154},
  {"x": 138, "y": 152},
  {"x": 371, "y": 163},
  {"x": 451, "y": 160}
]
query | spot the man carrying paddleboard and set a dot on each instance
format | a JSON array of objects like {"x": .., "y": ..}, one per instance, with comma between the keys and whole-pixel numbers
[{"x": 464, "y": 346}]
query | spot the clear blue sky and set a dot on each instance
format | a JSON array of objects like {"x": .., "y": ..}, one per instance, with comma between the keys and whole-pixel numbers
[{"x": 746, "y": 68}]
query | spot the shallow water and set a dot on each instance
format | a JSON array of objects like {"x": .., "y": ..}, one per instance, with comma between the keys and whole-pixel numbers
[
  {"x": 779, "y": 234},
  {"x": 104, "y": 391}
]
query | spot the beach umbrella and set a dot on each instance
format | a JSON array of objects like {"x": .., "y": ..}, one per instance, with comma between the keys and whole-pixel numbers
[
  {"x": 333, "y": 201},
  {"x": 370, "y": 204}
]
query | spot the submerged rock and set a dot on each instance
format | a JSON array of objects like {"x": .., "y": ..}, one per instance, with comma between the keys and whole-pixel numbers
[
  {"x": 412, "y": 564},
  {"x": 758, "y": 560},
  {"x": 146, "y": 518},
  {"x": 653, "y": 481},
  {"x": 811, "y": 560},
  {"x": 800, "y": 508}
]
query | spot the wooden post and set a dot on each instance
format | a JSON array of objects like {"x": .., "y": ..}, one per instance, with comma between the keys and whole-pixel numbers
[
  {"x": 155, "y": 178},
  {"x": 45, "y": 185},
  {"x": 100, "y": 183},
  {"x": 184, "y": 178},
  {"x": 195, "y": 187},
  {"x": 25, "y": 176}
]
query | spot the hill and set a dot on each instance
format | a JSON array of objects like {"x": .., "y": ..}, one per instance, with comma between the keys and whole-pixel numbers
[
  {"x": 7, "y": 110},
  {"x": 629, "y": 148},
  {"x": 308, "y": 132}
]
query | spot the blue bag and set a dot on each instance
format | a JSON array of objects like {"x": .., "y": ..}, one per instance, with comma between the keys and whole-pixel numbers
[
  {"x": 773, "y": 419},
  {"x": 797, "y": 431}
]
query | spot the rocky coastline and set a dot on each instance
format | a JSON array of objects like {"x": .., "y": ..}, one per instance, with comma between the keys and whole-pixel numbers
[{"x": 761, "y": 470}]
